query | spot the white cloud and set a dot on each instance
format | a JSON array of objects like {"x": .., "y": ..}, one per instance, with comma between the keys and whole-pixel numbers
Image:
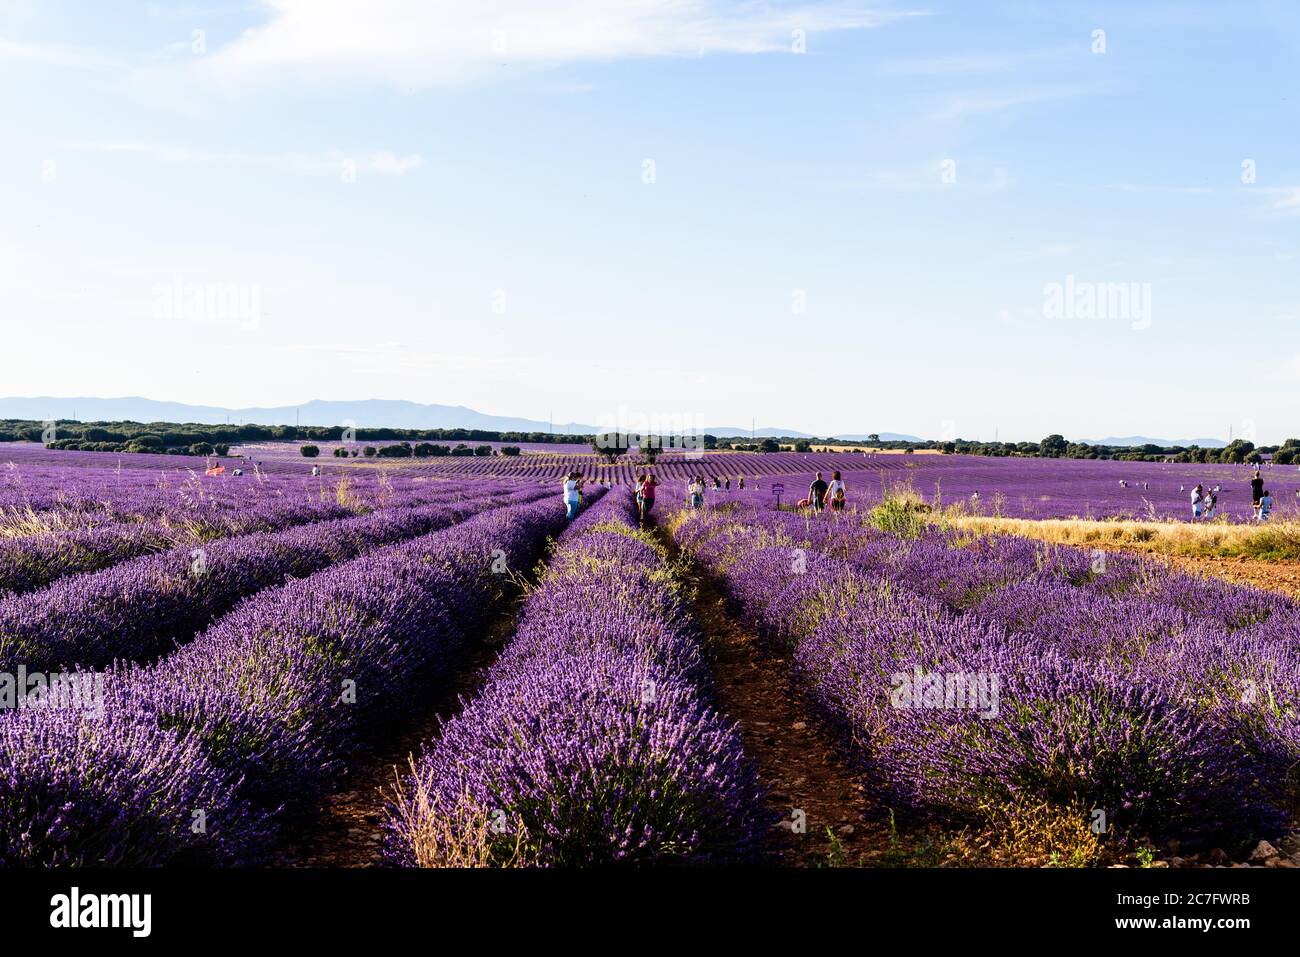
[
  {"x": 428, "y": 42},
  {"x": 1137, "y": 188},
  {"x": 328, "y": 163},
  {"x": 53, "y": 54},
  {"x": 974, "y": 63},
  {"x": 984, "y": 102},
  {"x": 1289, "y": 200}
]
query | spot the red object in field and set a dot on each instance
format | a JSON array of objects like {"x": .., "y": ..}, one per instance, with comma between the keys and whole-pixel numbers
[
  {"x": 804, "y": 503},
  {"x": 217, "y": 470}
]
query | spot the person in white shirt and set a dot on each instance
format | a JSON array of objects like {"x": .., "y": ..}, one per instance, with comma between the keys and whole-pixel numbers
[
  {"x": 573, "y": 494},
  {"x": 696, "y": 491},
  {"x": 836, "y": 491},
  {"x": 1265, "y": 505}
]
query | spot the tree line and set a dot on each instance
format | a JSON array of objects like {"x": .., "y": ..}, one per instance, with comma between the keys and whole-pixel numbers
[{"x": 203, "y": 439}]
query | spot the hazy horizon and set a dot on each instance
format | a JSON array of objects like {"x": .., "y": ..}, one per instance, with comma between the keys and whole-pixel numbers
[{"x": 69, "y": 410}]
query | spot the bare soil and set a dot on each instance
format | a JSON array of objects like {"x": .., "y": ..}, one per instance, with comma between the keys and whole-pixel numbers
[
  {"x": 347, "y": 831},
  {"x": 1275, "y": 576},
  {"x": 798, "y": 763}
]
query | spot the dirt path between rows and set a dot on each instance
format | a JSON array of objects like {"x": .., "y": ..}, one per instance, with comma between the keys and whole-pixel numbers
[
  {"x": 798, "y": 764},
  {"x": 347, "y": 831}
]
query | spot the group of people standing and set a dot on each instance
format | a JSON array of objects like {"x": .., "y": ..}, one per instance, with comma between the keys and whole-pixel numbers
[{"x": 1205, "y": 503}]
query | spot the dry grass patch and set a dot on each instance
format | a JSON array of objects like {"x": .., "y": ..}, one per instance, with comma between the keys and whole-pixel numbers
[{"x": 1276, "y": 541}]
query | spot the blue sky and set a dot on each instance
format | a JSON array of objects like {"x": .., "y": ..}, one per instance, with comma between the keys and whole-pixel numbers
[{"x": 573, "y": 207}]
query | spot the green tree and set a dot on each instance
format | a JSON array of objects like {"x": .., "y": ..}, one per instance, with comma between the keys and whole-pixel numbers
[
  {"x": 609, "y": 445},
  {"x": 1054, "y": 446},
  {"x": 309, "y": 451}
]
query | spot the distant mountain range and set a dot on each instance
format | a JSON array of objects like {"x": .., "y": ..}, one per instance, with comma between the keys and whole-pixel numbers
[
  {"x": 372, "y": 413},
  {"x": 366, "y": 413},
  {"x": 1163, "y": 443}
]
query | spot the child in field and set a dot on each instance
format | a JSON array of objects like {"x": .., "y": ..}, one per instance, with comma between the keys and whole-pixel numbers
[
  {"x": 1211, "y": 503},
  {"x": 1265, "y": 505},
  {"x": 836, "y": 491}
]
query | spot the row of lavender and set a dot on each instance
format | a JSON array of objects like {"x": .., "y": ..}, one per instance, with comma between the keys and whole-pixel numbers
[
  {"x": 34, "y": 560},
  {"x": 976, "y": 675},
  {"x": 197, "y": 758},
  {"x": 140, "y": 608},
  {"x": 593, "y": 741}
]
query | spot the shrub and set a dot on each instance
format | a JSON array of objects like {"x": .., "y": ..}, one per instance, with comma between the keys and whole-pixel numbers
[{"x": 310, "y": 451}]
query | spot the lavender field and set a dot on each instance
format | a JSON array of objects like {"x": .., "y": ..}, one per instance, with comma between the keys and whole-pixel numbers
[
  {"x": 1034, "y": 488},
  {"x": 220, "y": 670}
]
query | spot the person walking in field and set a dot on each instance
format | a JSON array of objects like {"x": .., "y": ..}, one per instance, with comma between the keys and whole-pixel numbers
[
  {"x": 1256, "y": 489},
  {"x": 647, "y": 497},
  {"x": 727, "y": 483},
  {"x": 740, "y": 479},
  {"x": 817, "y": 493},
  {"x": 836, "y": 492},
  {"x": 573, "y": 494},
  {"x": 696, "y": 491},
  {"x": 1198, "y": 497}
]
